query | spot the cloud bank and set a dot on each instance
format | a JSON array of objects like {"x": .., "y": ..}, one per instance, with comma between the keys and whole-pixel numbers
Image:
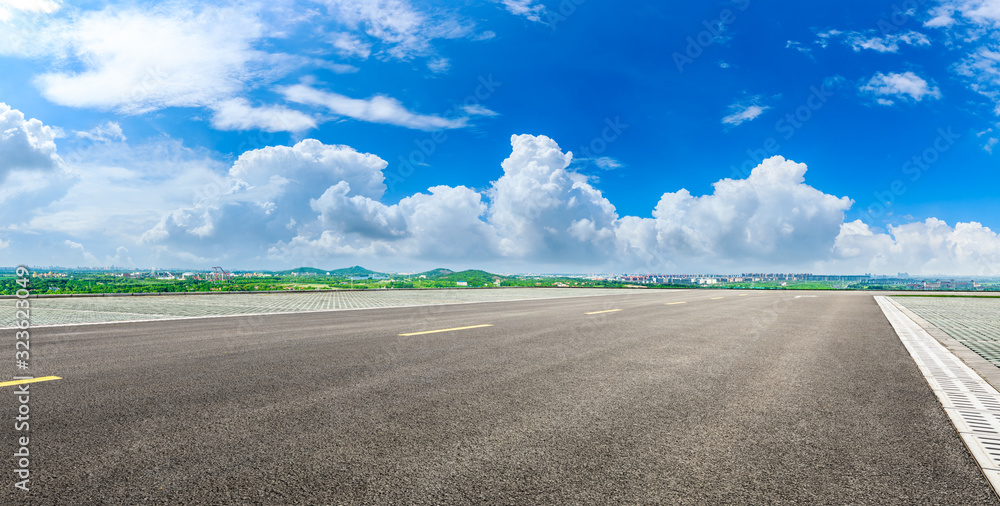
[{"x": 320, "y": 204}]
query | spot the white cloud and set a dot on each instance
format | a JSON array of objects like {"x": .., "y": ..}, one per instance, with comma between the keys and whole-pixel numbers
[
  {"x": 136, "y": 184},
  {"x": 928, "y": 247},
  {"x": 314, "y": 203},
  {"x": 984, "y": 13},
  {"x": 824, "y": 37},
  {"x": 265, "y": 190},
  {"x": 136, "y": 61},
  {"x": 378, "y": 109},
  {"x": 772, "y": 217},
  {"x": 990, "y": 144},
  {"x": 886, "y": 43},
  {"x": 439, "y": 65},
  {"x": 351, "y": 46},
  {"x": 527, "y": 8},
  {"x": 900, "y": 86},
  {"x": 743, "y": 112},
  {"x": 25, "y": 144},
  {"x": 88, "y": 258},
  {"x": 982, "y": 70},
  {"x": 109, "y": 131},
  {"x": 542, "y": 211},
  {"x": 479, "y": 110},
  {"x": 608, "y": 163},
  {"x": 239, "y": 114},
  {"x": 798, "y": 46},
  {"x": 405, "y": 30},
  {"x": 32, "y": 6}
]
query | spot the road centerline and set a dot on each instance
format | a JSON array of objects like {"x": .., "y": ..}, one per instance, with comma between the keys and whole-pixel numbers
[
  {"x": 444, "y": 330},
  {"x": 607, "y": 311},
  {"x": 29, "y": 380}
]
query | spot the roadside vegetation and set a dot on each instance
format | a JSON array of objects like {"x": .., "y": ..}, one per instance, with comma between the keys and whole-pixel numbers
[{"x": 357, "y": 278}]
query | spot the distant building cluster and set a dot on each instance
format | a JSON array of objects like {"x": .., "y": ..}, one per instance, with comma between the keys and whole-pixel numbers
[
  {"x": 950, "y": 284},
  {"x": 901, "y": 281}
]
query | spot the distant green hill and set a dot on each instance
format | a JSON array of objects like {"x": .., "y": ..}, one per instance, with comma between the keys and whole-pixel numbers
[
  {"x": 473, "y": 277},
  {"x": 308, "y": 271},
  {"x": 357, "y": 271},
  {"x": 435, "y": 274}
]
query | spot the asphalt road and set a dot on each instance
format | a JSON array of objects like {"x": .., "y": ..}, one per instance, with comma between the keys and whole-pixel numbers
[{"x": 763, "y": 398}]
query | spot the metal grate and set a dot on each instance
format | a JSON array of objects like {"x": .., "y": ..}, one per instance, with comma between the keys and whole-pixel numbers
[{"x": 972, "y": 404}]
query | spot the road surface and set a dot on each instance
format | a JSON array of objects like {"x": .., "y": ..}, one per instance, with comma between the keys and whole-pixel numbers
[{"x": 686, "y": 397}]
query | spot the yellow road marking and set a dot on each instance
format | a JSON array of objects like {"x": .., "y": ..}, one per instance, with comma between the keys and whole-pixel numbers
[
  {"x": 599, "y": 312},
  {"x": 672, "y": 303},
  {"x": 744, "y": 294},
  {"x": 32, "y": 380},
  {"x": 444, "y": 330},
  {"x": 716, "y": 298}
]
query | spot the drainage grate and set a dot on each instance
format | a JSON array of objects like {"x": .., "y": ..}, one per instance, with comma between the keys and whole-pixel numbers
[{"x": 971, "y": 403}]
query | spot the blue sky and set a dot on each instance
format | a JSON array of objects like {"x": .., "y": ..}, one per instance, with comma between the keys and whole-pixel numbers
[{"x": 512, "y": 135}]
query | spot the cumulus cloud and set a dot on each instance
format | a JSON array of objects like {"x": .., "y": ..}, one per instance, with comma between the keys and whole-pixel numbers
[
  {"x": 136, "y": 61},
  {"x": 314, "y": 202},
  {"x": 239, "y": 114},
  {"x": 907, "y": 86},
  {"x": 25, "y": 144},
  {"x": 542, "y": 211},
  {"x": 772, "y": 216},
  {"x": 928, "y": 247},
  {"x": 378, "y": 109},
  {"x": 264, "y": 191}
]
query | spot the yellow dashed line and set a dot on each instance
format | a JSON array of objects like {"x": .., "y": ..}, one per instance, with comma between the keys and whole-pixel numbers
[
  {"x": 599, "y": 312},
  {"x": 32, "y": 380},
  {"x": 672, "y": 303},
  {"x": 744, "y": 294},
  {"x": 444, "y": 330},
  {"x": 716, "y": 298}
]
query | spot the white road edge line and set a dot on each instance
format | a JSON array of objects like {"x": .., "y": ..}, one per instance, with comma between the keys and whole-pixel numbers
[{"x": 972, "y": 404}]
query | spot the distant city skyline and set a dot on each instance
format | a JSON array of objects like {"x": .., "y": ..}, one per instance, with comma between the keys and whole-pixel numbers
[{"x": 509, "y": 135}]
